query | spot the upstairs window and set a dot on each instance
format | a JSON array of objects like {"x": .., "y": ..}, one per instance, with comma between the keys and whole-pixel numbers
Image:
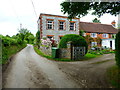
[
  {"x": 61, "y": 25},
  {"x": 72, "y": 26},
  {"x": 94, "y": 35},
  {"x": 50, "y": 24},
  {"x": 105, "y": 35}
]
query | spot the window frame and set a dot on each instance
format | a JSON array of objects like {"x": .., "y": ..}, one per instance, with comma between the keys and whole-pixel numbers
[
  {"x": 63, "y": 25},
  {"x": 93, "y": 44},
  {"x": 48, "y": 23},
  {"x": 105, "y": 35},
  {"x": 74, "y": 25},
  {"x": 50, "y": 36},
  {"x": 93, "y": 36}
]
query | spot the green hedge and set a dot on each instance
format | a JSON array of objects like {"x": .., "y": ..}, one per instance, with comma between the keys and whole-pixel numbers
[
  {"x": 77, "y": 40},
  {"x": 117, "y": 47}
]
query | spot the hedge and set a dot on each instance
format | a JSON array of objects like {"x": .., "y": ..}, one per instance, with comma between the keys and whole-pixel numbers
[
  {"x": 117, "y": 47},
  {"x": 77, "y": 40}
]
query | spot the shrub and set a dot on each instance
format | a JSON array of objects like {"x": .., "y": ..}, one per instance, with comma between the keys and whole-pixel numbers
[
  {"x": 117, "y": 47},
  {"x": 77, "y": 40}
]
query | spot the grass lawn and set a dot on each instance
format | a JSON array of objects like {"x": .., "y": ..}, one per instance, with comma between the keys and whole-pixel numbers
[
  {"x": 113, "y": 74},
  {"x": 88, "y": 56}
]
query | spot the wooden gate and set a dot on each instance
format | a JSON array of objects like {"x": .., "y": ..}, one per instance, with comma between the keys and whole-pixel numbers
[{"x": 77, "y": 53}]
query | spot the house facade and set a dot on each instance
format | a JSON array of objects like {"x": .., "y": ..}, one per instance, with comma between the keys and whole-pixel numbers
[
  {"x": 55, "y": 27},
  {"x": 105, "y": 32}
]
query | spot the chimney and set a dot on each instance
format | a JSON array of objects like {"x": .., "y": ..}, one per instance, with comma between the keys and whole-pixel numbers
[{"x": 113, "y": 23}]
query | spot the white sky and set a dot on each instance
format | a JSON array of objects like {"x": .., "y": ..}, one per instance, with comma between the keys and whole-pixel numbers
[{"x": 14, "y": 12}]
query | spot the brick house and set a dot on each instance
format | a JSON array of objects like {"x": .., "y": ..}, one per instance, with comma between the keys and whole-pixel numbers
[{"x": 56, "y": 26}]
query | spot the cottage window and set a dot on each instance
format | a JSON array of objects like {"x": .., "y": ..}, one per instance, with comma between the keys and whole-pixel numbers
[
  {"x": 72, "y": 26},
  {"x": 61, "y": 25},
  {"x": 50, "y": 37},
  {"x": 105, "y": 35},
  {"x": 84, "y": 34},
  {"x": 93, "y": 35},
  {"x": 50, "y": 24},
  {"x": 93, "y": 44}
]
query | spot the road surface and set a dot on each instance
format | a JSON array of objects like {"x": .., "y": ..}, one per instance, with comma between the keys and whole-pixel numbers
[{"x": 29, "y": 70}]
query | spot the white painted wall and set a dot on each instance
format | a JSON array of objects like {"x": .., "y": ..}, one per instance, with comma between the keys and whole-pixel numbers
[{"x": 106, "y": 42}]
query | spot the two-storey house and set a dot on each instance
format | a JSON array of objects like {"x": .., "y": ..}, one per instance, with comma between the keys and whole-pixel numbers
[
  {"x": 105, "y": 32},
  {"x": 55, "y": 26}
]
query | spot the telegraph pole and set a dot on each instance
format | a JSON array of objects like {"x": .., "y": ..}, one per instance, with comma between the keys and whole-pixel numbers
[{"x": 20, "y": 26}]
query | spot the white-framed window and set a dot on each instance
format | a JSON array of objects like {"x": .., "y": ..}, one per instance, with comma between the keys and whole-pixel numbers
[
  {"x": 94, "y": 35},
  {"x": 50, "y": 37},
  {"x": 105, "y": 35},
  {"x": 84, "y": 34},
  {"x": 61, "y": 25},
  {"x": 93, "y": 43},
  {"x": 50, "y": 24},
  {"x": 72, "y": 25}
]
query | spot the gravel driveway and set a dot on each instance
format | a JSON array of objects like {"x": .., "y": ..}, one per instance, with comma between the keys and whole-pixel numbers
[{"x": 29, "y": 70}]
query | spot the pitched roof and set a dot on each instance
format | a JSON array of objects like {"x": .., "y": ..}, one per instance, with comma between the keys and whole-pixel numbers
[{"x": 97, "y": 28}]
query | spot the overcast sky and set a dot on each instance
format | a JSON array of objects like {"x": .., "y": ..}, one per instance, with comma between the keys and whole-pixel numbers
[{"x": 14, "y": 12}]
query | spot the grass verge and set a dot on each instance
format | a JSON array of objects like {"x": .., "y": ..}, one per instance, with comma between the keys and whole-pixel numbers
[
  {"x": 86, "y": 57},
  {"x": 9, "y": 51},
  {"x": 113, "y": 74},
  {"x": 100, "y": 62}
]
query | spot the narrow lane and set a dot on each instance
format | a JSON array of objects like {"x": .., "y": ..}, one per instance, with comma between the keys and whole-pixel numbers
[{"x": 29, "y": 70}]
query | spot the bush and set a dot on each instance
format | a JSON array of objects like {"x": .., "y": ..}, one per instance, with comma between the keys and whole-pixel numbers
[
  {"x": 117, "y": 47},
  {"x": 77, "y": 40}
]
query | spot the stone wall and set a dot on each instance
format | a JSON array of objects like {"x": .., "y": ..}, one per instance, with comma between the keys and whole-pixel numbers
[
  {"x": 46, "y": 50},
  {"x": 64, "y": 53},
  {"x": 75, "y": 54}
]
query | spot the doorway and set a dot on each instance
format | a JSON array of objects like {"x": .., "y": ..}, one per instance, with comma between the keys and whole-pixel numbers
[{"x": 111, "y": 44}]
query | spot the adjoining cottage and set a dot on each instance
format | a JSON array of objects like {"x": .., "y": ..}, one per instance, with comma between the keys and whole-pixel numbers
[
  {"x": 56, "y": 26},
  {"x": 103, "y": 31}
]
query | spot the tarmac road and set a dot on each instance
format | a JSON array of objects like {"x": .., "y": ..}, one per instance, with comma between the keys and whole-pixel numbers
[{"x": 29, "y": 70}]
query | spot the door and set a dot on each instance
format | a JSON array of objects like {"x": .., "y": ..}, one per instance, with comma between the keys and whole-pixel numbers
[{"x": 111, "y": 44}]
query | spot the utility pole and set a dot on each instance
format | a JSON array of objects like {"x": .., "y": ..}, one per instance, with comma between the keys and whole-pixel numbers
[
  {"x": 119, "y": 21},
  {"x": 20, "y": 26}
]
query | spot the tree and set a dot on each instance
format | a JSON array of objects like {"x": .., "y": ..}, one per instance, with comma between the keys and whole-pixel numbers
[
  {"x": 26, "y": 36},
  {"x": 81, "y": 32},
  {"x": 96, "y": 20},
  {"x": 23, "y": 32},
  {"x": 79, "y": 9},
  {"x": 117, "y": 48},
  {"x": 77, "y": 41},
  {"x": 38, "y": 38},
  {"x": 89, "y": 39}
]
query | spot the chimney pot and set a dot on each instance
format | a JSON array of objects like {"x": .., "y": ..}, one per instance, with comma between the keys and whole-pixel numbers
[{"x": 113, "y": 23}]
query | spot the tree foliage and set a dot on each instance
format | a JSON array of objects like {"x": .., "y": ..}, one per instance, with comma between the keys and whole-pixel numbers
[
  {"x": 96, "y": 20},
  {"x": 80, "y": 9},
  {"x": 26, "y": 35},
  {"x": 81, "y": 32},
  {"x": 117, "y": 47},
  {"x": 89, "y": 39},
  {"x": 76, "y": 40},
  {"x": 38, "y": 38}
]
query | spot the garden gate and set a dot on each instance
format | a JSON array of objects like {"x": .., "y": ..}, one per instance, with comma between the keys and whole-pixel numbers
[{"x": 77, "y": 53}]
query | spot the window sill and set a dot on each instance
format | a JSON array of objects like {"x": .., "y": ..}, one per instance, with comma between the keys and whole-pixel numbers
[{"x": 49, "y": 29}]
